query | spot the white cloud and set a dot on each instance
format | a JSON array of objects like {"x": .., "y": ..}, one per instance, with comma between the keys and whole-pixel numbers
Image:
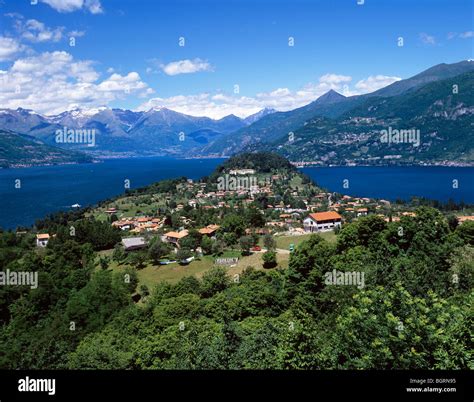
[
  {"x": 67, "y": 6},
  {"x": 334, "y": 79},
  {"x": 462, "y": 35},
  {"x": 451, "y": 35},
  {"x": 220, "y": 104},
  {"x": 53, "y": 82},
  {"x": 427, "y": 39},
  {"x": 9, "y": 48},
  {"x": 76, "y": 34},
  {"x": 466, "y": 35},
  {"x": 375, "y": 82},
  {"x": 186, "y": 67},
  {"x": 35, "y": 31}
]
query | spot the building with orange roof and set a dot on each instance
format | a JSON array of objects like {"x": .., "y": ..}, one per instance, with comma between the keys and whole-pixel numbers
[
  {"x": 124, "y": 224},
  {"x": 362, "y": 212},
  {"x": 322, "y": 221},
  {"x": 412, "y": 214},
  {"x": 209, "y": 230},
  {"x": 42, "y": 239},
  {"x": 174, "y": 237}
]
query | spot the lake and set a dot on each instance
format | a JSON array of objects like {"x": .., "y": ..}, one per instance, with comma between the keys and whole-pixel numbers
[
  {"x": 48, "y": 189},
  {"x": 393, "y": 182}
]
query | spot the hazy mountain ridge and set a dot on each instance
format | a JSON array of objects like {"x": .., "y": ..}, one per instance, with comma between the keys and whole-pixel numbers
[
  {"x": 331, "y": 105},
  {"x": 442, "y": 120},
  {"x": 21, "y": 150},
  {"x": 157, "y": 131}
]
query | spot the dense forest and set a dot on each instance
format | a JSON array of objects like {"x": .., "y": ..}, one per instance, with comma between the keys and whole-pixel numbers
[{"x": 415, "y": 310}]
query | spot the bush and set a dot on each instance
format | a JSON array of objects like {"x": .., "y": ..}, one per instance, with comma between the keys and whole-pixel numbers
[
  {"x": 269, "y": 259},
  {"x": 246, "y": 243},
  {"x": 269, "y": 242},
  {"x": 183, "y": 253}
]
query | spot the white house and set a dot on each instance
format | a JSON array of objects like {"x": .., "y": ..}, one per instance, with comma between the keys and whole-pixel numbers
[
  {"x": 362, "y": 212},
  {"x": 242, "y": 171},
  {"x": 322, "y": 221},
  {"x": 42, "y": 240},
  {"x": 174, "y": 237}
]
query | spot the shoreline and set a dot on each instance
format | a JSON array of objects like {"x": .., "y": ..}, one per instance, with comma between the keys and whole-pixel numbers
[
  {"x": 446, "y": 164},
  {"x": 299, "y": 165}
]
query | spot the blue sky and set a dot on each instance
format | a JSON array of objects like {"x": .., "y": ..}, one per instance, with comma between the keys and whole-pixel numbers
[{"x": 127, "y": 52}]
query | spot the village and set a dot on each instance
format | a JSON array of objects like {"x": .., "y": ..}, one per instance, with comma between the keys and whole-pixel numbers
[{"x": 237, "y": 218}]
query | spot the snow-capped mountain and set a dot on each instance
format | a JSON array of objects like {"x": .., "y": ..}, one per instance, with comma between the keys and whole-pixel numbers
[
  {"x": 257, "y": 116},
  {"x": 158, "y": 130}
]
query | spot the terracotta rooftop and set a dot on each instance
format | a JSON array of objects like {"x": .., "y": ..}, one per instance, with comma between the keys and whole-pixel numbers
[
  {"x": 177, "y": 235},
  {"x": 209, "y": 229},
  {"x": 42, "y": 236},
  {"x": 325, "y": 216}
]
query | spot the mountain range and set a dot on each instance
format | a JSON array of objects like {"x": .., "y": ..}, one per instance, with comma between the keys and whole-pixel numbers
[
  {"x": 333, "y": 129},
  {"x": 429, "y": 124},
  {"x": 275, "y": 130},
  {"x": 158, "y": 131},
  {"x": 19, "y": 150}
]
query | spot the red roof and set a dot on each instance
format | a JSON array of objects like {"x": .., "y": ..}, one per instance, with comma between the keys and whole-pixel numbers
[
  {"x": 42, "y": 236},
  {"x": 325, "y": 216}
]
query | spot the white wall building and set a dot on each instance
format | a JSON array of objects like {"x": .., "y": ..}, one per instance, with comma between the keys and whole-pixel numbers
[{"x": 322, "y": 221}]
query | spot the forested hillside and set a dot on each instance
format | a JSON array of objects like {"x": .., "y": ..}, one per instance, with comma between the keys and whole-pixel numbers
[
  {"x": 23, "y": 150},
  {"x": 414, "y": 311},
  {"x": 441, "y": 111}
]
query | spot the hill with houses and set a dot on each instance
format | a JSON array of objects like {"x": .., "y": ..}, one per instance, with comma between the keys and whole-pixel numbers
[{"x": 253, "y": 267}]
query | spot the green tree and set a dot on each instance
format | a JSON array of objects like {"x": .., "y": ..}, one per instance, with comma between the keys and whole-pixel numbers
[
  {"x": 217, "y": 247},
  {"x": 119, "y": 253},
  {"x": 206, "y": 245},
  {"x": 246, "y": 243},
  {"x": 90, "y": 307},
  {"x": 466, "y": 232},
  {"x": 462, "y": 268},
  {"x": 192, "y": 240},
  {"x": 233, "y": 223},
  {"x": 104, "y": 262},
  {"x": 269, "y": 242},
  {"x": 453, "y": 222},
  {"x": 137, "y": 259},
  {"x": 269, "y": 259},
  {"x": 183, "y": 253},
  {"x": 392, "y": 329},
  {"x": 255, "y": 218},
  {"x": 214, "y": 281},
  {"x": 230, "y": 239},
  {"x": 144, "y": 291},
  {"x": 157, "y": 249}
]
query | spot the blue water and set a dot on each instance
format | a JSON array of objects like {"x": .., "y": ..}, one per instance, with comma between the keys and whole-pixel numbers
[
  {"x": 51, "y": 188},
  {"x": 48, "y": 189},
  {"x": 393, "y": 182}
]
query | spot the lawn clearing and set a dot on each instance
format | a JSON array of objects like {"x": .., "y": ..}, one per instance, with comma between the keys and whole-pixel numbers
[
  {"x": 151, "y": 274},
  {"x": 285, "y": 241}
]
